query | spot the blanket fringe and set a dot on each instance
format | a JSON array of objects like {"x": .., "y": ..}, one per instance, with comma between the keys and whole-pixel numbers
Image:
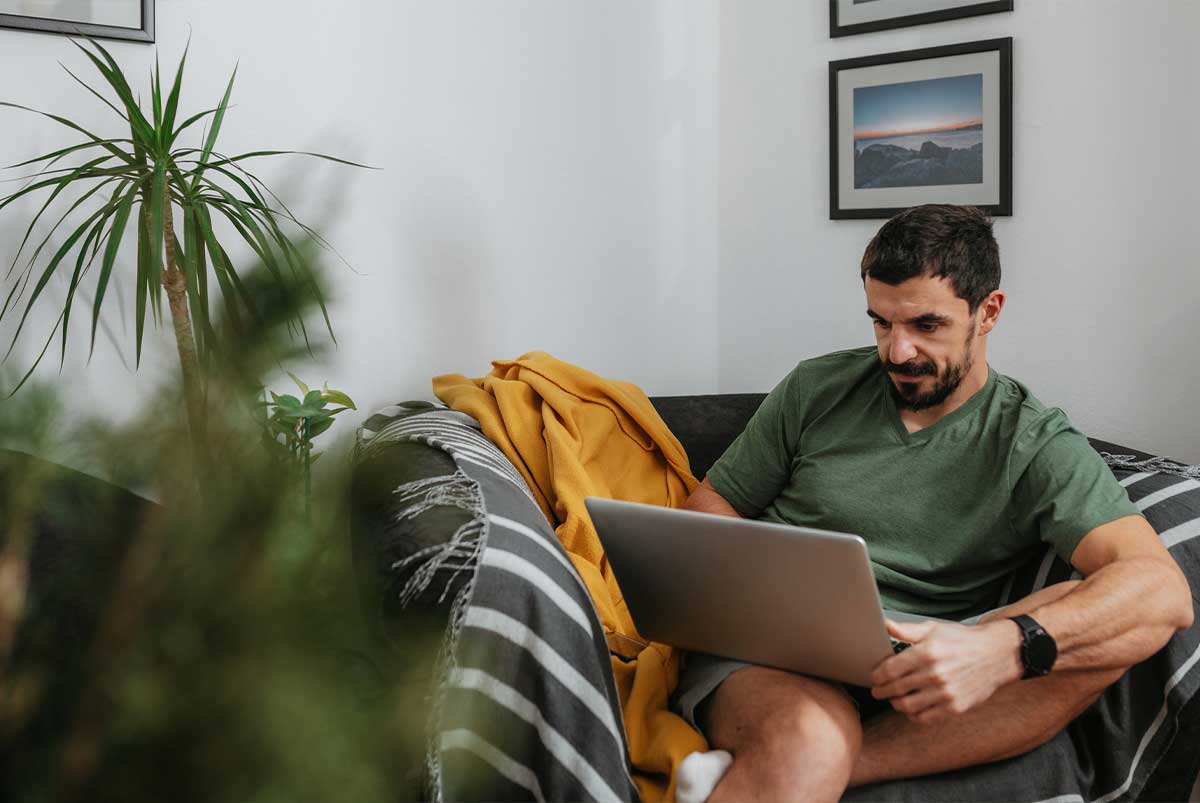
[
  {"x": 1161, "y": 465},
  {"x": 459, "y": 554}
]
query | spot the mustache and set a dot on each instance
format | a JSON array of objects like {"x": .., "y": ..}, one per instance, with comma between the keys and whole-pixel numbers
[{"x": 912, "y": 368}]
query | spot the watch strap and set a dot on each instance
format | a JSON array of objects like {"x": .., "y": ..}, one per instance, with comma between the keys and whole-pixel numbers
[{"x": 1030, "y": 630}]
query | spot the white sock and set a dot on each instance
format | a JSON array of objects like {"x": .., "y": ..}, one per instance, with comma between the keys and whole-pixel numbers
[{"x": 699, "y": 774}]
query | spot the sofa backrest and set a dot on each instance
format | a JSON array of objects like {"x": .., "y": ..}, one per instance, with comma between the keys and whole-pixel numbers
[{"x": 706, "y": 424}]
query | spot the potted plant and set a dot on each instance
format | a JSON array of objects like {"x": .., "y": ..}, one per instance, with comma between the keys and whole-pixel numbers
[{"x": 181, "y": 204}]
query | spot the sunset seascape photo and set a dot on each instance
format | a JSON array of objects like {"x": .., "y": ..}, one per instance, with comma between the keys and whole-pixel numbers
[{"x": 919, "y": 133}]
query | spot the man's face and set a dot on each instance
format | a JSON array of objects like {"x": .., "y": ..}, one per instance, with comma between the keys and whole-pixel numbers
[{"x": 926, "y": 338}]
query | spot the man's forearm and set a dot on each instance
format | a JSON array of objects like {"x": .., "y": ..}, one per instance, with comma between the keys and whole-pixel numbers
[
  {"x": 705, "y": 499},
  {"x": 1117, "y": 617}
]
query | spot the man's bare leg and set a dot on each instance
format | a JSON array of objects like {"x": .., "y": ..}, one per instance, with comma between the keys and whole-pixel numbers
[
  {"x": 792, "y": 737},
  {"x": 1016, "y": 719}
]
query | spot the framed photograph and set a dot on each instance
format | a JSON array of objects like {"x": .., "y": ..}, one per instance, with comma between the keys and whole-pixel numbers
[
  {"x": 848, "y": 17},
  {"x": 102, "y": 19},
  {"x": 921, "y": 126}
]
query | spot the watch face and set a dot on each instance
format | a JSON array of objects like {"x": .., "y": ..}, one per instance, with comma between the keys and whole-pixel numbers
[{"x": 1041, "y": 652}]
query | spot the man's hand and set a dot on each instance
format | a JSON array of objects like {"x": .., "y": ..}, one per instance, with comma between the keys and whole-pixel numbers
[{"x": 949, "y": 668}]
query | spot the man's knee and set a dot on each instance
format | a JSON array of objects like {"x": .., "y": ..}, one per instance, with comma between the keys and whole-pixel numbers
[
  {"x": 792, "y": 722},
  {"x": 1066, "y": 696}
]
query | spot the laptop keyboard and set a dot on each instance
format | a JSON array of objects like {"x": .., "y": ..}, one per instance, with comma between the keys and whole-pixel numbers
[{"x": 898, "y": 645}]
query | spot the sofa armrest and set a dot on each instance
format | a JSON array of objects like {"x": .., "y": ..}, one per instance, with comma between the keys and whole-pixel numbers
[{"x": 524, "y": 678}]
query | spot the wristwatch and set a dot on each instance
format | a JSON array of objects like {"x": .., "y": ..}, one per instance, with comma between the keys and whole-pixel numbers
[{"x": 1038, "y": 648}]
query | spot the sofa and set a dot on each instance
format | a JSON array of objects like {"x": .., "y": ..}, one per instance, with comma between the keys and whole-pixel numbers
[
  {"x": 448, "y": 541},
  {"x": 82, "y": 528}
]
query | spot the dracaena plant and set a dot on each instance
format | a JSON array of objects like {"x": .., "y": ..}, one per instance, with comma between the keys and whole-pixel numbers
[{"x": 182, "y": 205}]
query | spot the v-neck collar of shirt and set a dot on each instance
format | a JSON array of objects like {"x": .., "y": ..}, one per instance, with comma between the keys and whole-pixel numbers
[{"x": 963, "y": 410}]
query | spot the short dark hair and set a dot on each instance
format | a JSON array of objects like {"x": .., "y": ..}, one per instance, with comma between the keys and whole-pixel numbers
[{"x": 940, "y": 240}]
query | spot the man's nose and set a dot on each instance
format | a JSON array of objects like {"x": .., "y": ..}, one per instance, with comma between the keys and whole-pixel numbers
[{"x": 902, "y": 350}]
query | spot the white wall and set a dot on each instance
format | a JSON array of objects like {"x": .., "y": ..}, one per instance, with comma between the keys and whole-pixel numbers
[
  {"x": 1099, "y": 258},
  {"x": 547, "y": 178},
  {"x": 553, "y": 179}
]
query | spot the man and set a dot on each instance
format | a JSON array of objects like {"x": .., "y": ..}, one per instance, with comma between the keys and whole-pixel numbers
[{"x": 954, "y": 475}]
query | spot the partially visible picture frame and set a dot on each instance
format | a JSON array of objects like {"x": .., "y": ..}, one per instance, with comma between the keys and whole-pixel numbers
[
  {"x": 131, "y": 20},
  {"x": 849, "y": 17},
  {"x": 932, "y": 125}
]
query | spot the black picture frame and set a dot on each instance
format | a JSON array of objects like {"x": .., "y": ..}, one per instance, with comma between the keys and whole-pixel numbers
[
  {"x": 49, "y": 25},
  {"x": 1003, "y": 126},
  {"x": 934, "y": 15}
]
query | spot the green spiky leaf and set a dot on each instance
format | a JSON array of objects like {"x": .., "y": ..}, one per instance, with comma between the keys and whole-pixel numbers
[{"x": 172, "y": 193}]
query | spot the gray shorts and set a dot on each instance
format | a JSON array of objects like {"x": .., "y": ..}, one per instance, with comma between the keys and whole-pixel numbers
[{"x": 701, "y": 674}]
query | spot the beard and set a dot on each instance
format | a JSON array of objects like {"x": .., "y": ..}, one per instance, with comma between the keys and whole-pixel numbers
[{"x": 909, "y": 396}]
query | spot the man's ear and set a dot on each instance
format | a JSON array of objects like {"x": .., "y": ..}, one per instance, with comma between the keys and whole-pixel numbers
[{"x": 991, "y": 307}]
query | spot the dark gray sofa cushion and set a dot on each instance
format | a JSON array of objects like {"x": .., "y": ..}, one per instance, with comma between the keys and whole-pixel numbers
[
  {"x": 706, "y": 425},
  {"x": 80, "y": 534}
]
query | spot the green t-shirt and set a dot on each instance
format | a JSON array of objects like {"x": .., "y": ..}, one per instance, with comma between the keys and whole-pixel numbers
[{"x": 948, "y": 511}]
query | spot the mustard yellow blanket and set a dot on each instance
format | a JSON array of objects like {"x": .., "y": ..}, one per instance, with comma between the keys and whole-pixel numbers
[{"x": 574, "y": 434}]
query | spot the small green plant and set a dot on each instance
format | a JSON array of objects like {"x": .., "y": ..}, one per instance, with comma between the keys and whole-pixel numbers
[{"x": 293, "y": 422}]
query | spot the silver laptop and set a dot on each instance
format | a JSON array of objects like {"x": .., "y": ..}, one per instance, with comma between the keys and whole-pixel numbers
[{"x": 795, "y": 598}]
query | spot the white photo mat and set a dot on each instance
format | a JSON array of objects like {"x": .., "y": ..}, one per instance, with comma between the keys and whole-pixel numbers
[{"x": 985, "y": 194}]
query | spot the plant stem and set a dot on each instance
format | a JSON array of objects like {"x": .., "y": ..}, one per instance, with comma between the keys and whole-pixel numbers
[
  {"x": 175, "y": 284},
  {"x": 306, "y": 452}
]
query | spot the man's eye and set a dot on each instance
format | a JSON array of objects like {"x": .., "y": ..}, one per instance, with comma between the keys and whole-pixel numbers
[
  {"x": 928, "y": 327},
  {"x": 881, "y": 324}
]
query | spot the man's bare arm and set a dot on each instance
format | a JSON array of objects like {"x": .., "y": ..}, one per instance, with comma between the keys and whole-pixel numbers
[
  {"x": 1134, "y": 598},
  {"x": 706, "y": 500}
]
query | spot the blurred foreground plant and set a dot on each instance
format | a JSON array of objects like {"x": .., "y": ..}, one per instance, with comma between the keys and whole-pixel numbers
[{"x": 193, "y": 648}]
